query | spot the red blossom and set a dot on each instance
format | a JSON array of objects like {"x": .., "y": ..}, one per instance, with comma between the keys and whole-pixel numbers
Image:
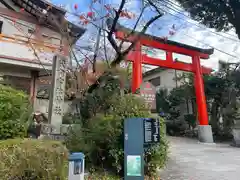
[
  {"x": 82, "y": 17},
  {"x": 90, "y": 14},
  {"x": 75, "y": 6},
  {"x": 85, "y": 22}
]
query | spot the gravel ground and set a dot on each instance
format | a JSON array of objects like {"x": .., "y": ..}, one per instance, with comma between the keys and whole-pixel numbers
[{"x": 190, "y": 160}]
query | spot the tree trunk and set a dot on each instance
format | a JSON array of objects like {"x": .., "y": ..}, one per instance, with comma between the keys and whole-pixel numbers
[{"x": 214, "y": 117}]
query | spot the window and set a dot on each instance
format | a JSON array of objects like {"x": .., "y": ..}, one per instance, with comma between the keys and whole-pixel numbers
[
  {"x": 1, "y": 25},
  {"x": 155, "y": 81},
  {"x": 31, "y": 31}
]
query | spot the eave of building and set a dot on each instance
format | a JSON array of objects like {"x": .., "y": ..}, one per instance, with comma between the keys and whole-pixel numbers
[
  {"x": 34, "y": 10},
  {"x": 30, "y": 63},
  {"x": 153, "y": 71},
  {"x": 9, "y": 4}
]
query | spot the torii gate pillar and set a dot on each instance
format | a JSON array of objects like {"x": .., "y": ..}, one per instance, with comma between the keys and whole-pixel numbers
[
  {"x": 137, "y": 68},
  {"x": 204, "y": 129}
]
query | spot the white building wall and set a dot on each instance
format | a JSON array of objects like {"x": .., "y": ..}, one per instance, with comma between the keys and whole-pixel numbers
[
  {"x": 23, "y": 50},
  {"x": 168, "y": 81},
  {"x": 167, "y": 78}
]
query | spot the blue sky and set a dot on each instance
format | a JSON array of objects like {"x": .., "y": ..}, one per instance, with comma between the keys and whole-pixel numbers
[{"x": 188, "y": 31}]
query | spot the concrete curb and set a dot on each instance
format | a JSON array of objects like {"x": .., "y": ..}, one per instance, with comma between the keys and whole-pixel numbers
[{"x": 209, "y": 144}]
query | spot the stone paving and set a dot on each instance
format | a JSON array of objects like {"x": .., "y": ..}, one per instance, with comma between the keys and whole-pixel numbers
[{"x": 190, "y": 160}]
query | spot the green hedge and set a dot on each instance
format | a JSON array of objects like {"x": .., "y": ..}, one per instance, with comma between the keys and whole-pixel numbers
[
  {"x": 41, "y": 160},
  {"x": 14, "y": 113},
  {"x": 101, "y": 137}
]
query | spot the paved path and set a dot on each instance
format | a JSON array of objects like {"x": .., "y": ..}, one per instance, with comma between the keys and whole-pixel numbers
[{"x": 190, "y": 160}]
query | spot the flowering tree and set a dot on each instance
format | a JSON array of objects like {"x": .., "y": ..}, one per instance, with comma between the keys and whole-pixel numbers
[
  {"x": 99, "y": 42},
  {"x": 103, "y": 20}
]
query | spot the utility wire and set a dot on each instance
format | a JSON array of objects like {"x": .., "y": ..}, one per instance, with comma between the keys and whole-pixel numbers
[
  {"x": 192, "y": 23},
  {"x": 189, "y": 22},
  {"x": 217, "y": 49},
  {"x": 175, "y": 10},
  {"x": 171, "y": 4},
  {"x": 180, "y": 8}
]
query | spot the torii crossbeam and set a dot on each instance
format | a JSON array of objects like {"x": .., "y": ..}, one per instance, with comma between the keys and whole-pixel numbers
[{"x": 138, "y": 58}]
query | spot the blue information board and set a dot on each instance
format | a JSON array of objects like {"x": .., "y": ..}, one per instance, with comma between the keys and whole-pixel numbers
[{"x": 138, "y": 133}]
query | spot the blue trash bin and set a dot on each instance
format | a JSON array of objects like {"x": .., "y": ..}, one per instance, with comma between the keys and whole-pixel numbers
[{"x": 76, "y": 166}]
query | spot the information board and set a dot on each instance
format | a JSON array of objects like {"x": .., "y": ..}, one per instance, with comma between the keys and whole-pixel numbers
[
  {"x": 148, "y": 93},
  {"x": 134, "y": 165},
  {"x": 151, "y": 128}
]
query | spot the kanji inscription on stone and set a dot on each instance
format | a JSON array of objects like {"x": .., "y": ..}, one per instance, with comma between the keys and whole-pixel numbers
[{"x": 56, "y": 101}]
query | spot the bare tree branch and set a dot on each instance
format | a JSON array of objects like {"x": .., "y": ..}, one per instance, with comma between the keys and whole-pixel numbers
[
  {"x": 121, "y": 56},
  {"x": 135, "y": 26},
  {"x": 96, "y": 50},
  {"x": 155, "y": 6},
  {"x": 113, "y": 27}
]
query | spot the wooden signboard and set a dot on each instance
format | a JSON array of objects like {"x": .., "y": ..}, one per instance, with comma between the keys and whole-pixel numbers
[{"x": 148, "y": 93}]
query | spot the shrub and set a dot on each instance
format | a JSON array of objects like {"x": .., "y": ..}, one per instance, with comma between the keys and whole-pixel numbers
[
  {"x": 70, "y": 118},
  {"x": 14, "y": 112},
  {"x": 102, "y": 140},
  {"x": 26, "y": 159},
  {"x": 191, "y": 120}
]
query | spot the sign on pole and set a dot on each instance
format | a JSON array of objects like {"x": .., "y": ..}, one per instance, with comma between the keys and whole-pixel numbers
[{"x": 56, "y": 100}]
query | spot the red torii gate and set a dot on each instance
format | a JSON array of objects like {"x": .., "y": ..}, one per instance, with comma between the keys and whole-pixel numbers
[{"x": 137, "y": 59}]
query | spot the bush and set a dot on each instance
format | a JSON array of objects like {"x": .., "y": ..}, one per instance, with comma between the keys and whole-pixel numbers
[
  {"x": 191, "y": 120},
  {"x": 14, "y": 113},
  {"x": 70, "y": 118},
  {"x": 102, "y": 140},
  {"x": 32, "y": 159}
]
